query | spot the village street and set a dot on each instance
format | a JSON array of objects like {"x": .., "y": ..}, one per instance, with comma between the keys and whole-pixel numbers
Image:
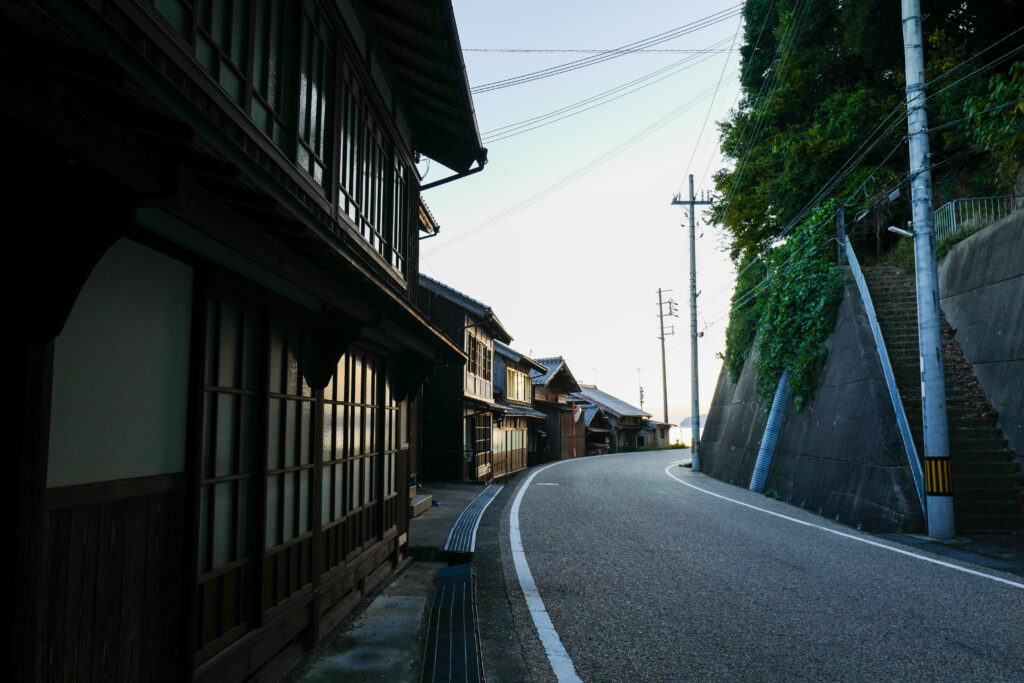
[{"x": 651, "y": 572}]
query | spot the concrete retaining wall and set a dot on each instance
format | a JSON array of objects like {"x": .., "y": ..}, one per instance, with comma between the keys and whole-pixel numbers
[
  {"x": 841, "y": 456},
  {"x": 981, "y": 282}
]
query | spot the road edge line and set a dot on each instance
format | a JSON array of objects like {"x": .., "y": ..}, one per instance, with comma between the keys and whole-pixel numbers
[
  {"x": 843, "y": 534},
  {"x": 558, "y": 658}
]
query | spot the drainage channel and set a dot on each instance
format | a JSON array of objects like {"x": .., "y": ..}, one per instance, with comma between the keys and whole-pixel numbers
[
  {"x": 957, "y": 553},
  {"x": 462, "y": 538},
  {"x": 452, "y": 652}
]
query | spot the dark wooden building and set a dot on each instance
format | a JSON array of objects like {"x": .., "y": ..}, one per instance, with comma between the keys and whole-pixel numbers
[
  {"x": 598, "y": 427},
  {"x": 564, "y": 433},
  {"x": 211, "y": 214},
  {"x": 629, "y": 424},
  {"x": 459, "y": 412},
  {"x": 515, "y": 429}
]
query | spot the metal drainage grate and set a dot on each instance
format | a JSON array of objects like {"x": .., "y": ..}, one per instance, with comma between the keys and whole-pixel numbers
[
  {"x": 462, "y": 538},
  {"x": 956, "y": 553},
  {"x": 451, "y": 652}
]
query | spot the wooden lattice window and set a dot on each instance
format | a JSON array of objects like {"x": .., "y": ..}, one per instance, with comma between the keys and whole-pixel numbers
[
  {"x": 291, "y": 434},
  {"x": 230, "y": 471},
  {"x": 482, "y": 433},
  {"x": 273, "y": 26},
  {"x": 353, "y": 436},
  {"x": 316, "y": 70},
  {"x": 373, "y": 185}
]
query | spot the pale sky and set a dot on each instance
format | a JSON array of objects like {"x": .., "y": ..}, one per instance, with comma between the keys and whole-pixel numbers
[{"x": 576, "y": 272}]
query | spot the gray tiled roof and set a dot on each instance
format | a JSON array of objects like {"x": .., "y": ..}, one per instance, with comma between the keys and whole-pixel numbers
[
  {"x": 616, "y": 406},
  {"x": 520, "y": 411},
  {"x": 516, "y": 357},
  {"x": 552, "y": 364},
  {"x": 477, "y": 308}
]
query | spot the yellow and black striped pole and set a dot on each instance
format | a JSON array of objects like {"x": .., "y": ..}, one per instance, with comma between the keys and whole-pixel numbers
[{"x": 938, "y": 478}]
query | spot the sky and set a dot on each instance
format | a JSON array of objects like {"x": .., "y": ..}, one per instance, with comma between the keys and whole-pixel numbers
[{"x": 571, "y": 261}]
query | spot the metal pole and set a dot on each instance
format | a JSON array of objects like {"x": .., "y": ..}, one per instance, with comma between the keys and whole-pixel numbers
[
  {"x": 664, "y": 380},
  {"x": 841, "y": 233},
  {"x": 938, "y": 480},
  {"x": 695, "y": 403}
]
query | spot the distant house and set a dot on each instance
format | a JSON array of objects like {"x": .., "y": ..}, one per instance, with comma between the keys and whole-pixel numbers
[
  {"x": 459, "y": 412},
  {"x": 515, "y": 430},
  {"x": 628, "y": 423},
  {"x": 564, "y": 433},
  {"x": 657, "y": 434},
  {"x": 598, "y": 429}
]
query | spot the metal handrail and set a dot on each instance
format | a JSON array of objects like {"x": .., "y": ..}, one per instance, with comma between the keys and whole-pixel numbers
[
  {"x": 972, "y": 213},
  {"x": 890, "y": 379}
]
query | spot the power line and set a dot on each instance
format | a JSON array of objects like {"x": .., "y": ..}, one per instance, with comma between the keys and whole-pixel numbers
[
  {"x": 711, "y": 106},
  {"x": 783, "y": 51},
  {"x": 574, "y": 175},
  {"x": 554, "y": 50},
  {"x": 579, "y": 107},
  {"x": 743, "y": 72},
  {"x": 583, "y": 62},
  {"x": 850, "y": 164}
]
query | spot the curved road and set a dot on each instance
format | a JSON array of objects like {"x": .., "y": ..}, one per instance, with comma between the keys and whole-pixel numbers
[{"x": 648, "y": 576}]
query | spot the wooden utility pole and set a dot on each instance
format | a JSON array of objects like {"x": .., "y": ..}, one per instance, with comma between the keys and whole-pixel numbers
[{"x": 694, "y": 393}]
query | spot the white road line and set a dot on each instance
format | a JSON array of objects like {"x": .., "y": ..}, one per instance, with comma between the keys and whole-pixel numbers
[
  {"x": 852, "y": 537},
  {"x": 557, "y": 656}
]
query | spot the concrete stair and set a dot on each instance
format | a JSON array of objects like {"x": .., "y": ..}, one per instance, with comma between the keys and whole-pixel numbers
[
  {"x": 987, "y": 481},
  {"x": 421, "y": 502}
]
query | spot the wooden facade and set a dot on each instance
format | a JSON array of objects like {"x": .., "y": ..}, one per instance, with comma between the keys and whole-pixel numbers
[
  {"x": 564, "y": 432},
  {"x": 515, "y": 438},
  {"x": 219, "y": 356},
  {"x": 460, "y": 414},
  {"x": 629, "y": 426}
]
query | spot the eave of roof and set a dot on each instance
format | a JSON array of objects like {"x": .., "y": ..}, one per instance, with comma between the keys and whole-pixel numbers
[
  {"x": 469, "y": 304},
  {"x": 517, "y": 357},
  {"x": 421, "y": 41},
  {"x": 612, "y": 405},
  {"x": 556, "y": 371}
]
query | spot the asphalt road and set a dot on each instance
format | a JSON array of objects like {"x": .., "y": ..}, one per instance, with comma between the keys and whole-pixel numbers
[{"x": 646, "y": 578}]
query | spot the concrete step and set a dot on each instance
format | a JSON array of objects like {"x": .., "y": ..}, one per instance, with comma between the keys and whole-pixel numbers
[
  {"x": 981, "y": 455},
  {"x": 957, "y": 443},
  {"x": 987, "y": 524},
  {"x": 987, "y": 483},
  {"x": 984, "y": 467},
  {"x": 420, "y": 504},
  {"x": 988, "y": 507}
]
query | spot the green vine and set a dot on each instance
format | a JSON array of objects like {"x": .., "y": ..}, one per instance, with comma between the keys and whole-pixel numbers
[
  {"x": 996, "y": 127},
  {"x": 792, "y": 316}
]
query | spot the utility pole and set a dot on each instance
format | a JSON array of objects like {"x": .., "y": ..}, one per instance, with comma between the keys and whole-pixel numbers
[
  {"x": 938, "y": 480},
  {"x": 640, "y": 382},
  {"x": 661, "y": 322},
  {"x": 694, "y": 394}
]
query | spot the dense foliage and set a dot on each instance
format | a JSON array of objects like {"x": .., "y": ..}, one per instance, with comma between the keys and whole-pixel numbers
[
  {"x": 996, "y": 127},
  {"x": 820, "y": 123}
]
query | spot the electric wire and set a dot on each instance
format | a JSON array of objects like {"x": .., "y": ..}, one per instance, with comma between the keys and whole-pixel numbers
[
  {"x": 783, "y": 51},
  {"x": 852, "y": 161},
  {"x": 977, "y": 54},
  {"x": 579, "y": 107},
  {"x": 518, "y": 50},
  {"x": 743, "y": 72},
  {"x": 574, "y": 175},
  {"x": 629, "y": 48},
  {"x": 711, "y": 106}
]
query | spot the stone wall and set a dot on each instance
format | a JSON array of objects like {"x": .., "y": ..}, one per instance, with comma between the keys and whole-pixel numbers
[
  {"x": 981, "y": 285},
  {"x": 841, "y": 456}
]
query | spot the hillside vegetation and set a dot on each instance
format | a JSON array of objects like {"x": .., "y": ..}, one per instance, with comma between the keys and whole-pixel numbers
[{"x": 821, "y": 123}]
